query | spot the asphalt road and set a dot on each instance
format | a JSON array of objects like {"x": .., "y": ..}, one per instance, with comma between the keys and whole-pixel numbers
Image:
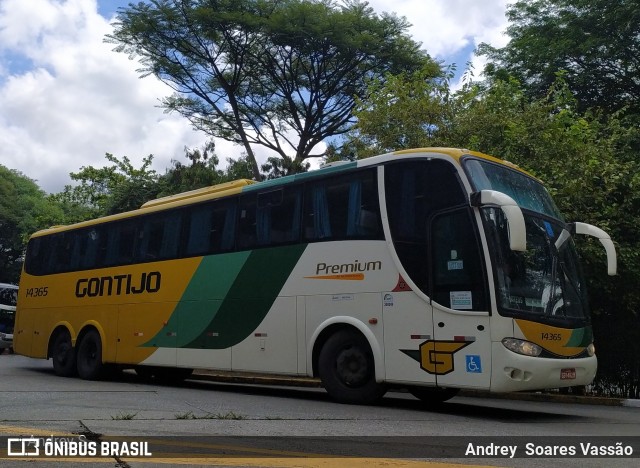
[{"x": 204, "y": 422}]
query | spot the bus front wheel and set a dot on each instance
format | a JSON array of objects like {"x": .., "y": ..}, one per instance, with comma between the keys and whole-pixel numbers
[
  {"x": 89, "y": 356},
  {"x": 346, "y": 368},
  {"x": 63, "y": 355}
]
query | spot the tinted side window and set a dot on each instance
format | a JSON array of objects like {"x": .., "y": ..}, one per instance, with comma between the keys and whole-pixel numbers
[
  {"x": 36, "y": 259},
  {"x": 123, "y": 238},
  {"x": 247, "y": 225},
  {"x": 343, "y": 207},
  {"x": 90, "y": 248},
  {"x": 159, "y": 237},
  {"x": 269, "y": 218},
  {"x": 62, "y": 246},
  {"x": 211, "y": 227},
  {"x": 415, "y": 192}
]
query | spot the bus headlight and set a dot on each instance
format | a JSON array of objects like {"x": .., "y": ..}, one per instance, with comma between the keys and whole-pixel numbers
[
  {"x": 591, "y": 350},
  {"x": 526, "y": 348}
]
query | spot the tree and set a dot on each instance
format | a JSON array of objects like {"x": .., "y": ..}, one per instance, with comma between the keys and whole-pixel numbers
[
  {"x": 24, "y": 209},
  {"x": 407, "y": 110},
  {"x": 112, "y": 189},
  {"x": 282, "y": 74},
  {"x": 597, "y": 43},
  {"x": 203, "y": 171}
]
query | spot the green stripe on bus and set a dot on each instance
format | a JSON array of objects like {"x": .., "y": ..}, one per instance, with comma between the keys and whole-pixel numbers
[
  {"x": 251, "y": 296},
  {"x": 218, "y": 310},
  {"x": 202, "y": 299},
  {"x": 580, "y": 338}
]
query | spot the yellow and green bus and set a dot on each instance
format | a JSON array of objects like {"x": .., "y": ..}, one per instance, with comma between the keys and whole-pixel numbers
[{"x": 431, "y": 269}]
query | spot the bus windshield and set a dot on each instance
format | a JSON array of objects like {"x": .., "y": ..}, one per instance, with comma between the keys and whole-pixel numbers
[
  {"x": 526, "y": 191},
  {"x": 546, "y": 280}
]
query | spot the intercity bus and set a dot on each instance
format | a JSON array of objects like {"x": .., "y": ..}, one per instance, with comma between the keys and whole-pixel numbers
[{"x": 430, "y": 269}]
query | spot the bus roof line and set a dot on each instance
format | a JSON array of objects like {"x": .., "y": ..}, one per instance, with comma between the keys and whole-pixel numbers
[{"x": 199, "y": 192}]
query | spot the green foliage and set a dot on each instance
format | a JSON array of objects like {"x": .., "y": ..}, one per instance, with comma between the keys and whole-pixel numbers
[
  {"x": 283, "y": 75},
  {"x": 202, "y": 172},
  {"x": 112, "y": 189},
  {"x": 407, "y": 110},
  {"x": 24, "y": 209},
  {"x": 597, "y": 43}
]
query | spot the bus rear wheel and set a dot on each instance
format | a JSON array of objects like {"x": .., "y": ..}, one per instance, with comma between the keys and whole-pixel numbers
[
  {"x": 63, "y": 355},
  {"x": 347, "y": 371},
  {"x": 90, "y": 366},
  {"x": 433, "y": 395}
]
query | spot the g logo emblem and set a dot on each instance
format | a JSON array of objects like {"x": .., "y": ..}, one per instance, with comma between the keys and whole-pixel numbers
[{"x": 436, "y": 357}]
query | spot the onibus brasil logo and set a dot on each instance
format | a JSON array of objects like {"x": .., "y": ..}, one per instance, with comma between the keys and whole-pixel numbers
[{"x": 74, "y": 446}]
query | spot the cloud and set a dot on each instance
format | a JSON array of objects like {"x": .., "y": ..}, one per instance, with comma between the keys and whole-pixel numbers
[
  {"x": 80, "y": 99},
  {"x": 444, "y": 27},
  {"x": 66, "y": 98}
]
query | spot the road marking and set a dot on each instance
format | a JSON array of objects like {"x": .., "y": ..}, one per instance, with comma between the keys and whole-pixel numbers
[{"x": 282, "y": 458}]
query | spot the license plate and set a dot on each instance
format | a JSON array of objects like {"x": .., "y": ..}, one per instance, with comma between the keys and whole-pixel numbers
[{"x": 567, "y": 374}]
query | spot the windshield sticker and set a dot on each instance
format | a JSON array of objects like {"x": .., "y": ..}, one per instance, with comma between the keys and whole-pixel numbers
[
  {"x": 455, "y": 265},
  {"x": 461, "y": 300},
  {"x": 532, "y": 302}
]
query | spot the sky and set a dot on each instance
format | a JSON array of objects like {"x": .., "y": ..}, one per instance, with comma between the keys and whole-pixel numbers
[{"x": 66, "y": 98}]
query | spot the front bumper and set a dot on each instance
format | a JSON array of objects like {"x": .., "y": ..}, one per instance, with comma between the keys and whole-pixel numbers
[{"x": 512, "y": 372}]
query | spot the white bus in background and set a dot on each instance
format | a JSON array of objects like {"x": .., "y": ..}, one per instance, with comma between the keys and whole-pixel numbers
[{"x": 8, "y": 300}]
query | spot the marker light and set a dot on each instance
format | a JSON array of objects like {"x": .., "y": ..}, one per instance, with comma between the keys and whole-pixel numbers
[
  {"x": 591, "y": 350},
  {"x": 522, "y": 347}
]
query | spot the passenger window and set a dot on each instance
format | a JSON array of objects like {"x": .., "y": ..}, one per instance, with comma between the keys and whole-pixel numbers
[
  {"x": 62, "y": 252},
  {"x": 343, "y": 207},
  {"x": 212, "y": 228},
  {"x": 87, "y": 247},
  {"x": 278, "y": 216},
  {"x": 159, "y": 237},
  {"x": 270, "y": 218},
  {"x": 247, "y": 235},
  {"x": 121, "y": 245}
]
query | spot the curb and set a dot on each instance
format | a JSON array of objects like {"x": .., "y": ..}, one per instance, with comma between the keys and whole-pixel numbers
[
  {"x": 309, "y": 382},
  {"x": 546, "y": 397}
]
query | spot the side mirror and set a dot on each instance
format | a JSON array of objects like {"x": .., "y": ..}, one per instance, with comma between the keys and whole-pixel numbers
[
  {"x": 605, "y": 240},
  {"x": 515, "y": 218}
]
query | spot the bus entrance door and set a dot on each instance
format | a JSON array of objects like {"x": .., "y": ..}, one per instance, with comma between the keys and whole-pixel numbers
[
  {"x": 461, "y": 348},
  {"x": 462, "y": 333}
]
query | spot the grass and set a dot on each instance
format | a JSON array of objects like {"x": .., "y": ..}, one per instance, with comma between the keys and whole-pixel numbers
[{"x": 230, "y": 415}]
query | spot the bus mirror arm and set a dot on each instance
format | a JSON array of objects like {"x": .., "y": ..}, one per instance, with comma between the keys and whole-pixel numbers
[
  {"x": 513, "y": 213},
  {"x": 605, "y": 240}
]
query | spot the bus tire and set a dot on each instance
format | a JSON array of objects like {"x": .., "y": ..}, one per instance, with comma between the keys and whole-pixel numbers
[
  {"x": 347, "y": 371},
  {"x": 63, "y": 355},
  {"x": 433, "y": 395},
  {"x": 89, "y": 356}
]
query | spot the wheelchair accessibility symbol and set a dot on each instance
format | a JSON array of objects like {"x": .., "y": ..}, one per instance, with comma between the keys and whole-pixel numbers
[{"x": 474, "y": 364}]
